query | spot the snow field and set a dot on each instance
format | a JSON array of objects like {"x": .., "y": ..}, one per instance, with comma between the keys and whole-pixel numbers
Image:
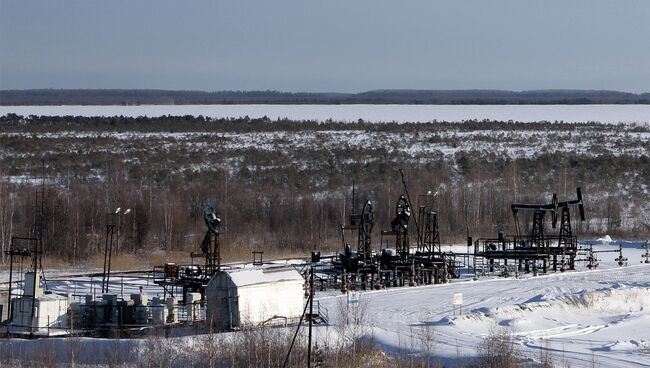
[
  {"x": 600, "y": 315},
  {"x": 580, "y": 318},
  {"x": 374, "y": 113}
]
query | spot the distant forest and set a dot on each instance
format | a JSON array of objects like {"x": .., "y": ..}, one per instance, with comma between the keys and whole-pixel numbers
[{"x": 424, "y": 97}]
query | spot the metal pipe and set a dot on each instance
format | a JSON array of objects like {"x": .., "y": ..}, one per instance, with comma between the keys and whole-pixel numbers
[{"x": 11, "y": 272}]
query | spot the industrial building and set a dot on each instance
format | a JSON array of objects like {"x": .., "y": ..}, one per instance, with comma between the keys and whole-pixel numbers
[
  {"x": 4, "y": 295},
  {"x": 255, "y": 296},
  {"x": 38, "y": 312}
]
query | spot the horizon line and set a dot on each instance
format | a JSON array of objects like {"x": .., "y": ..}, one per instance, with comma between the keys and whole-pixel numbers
[{"x": 328, "y": 92}]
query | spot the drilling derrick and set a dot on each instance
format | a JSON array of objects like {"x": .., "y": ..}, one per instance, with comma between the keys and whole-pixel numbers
[
  {"x": 428, "y": 237},
  {"x": 567, "y": 243}
]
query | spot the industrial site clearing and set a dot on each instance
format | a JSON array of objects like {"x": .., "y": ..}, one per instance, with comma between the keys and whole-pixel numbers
[
  {"x": 192, "y": 241},
  {"x": 586, "y": 317}
]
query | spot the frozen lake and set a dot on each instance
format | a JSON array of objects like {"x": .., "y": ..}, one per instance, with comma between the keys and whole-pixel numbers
[{"x": 376, "y": 113}]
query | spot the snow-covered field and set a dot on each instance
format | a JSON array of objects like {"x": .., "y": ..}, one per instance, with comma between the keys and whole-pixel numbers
[
  {"x": 198, "y": 148},
  {"x": 375, "y": 113},
  {"x": 600, "y": 315},
  {"x": 584, "y": 318},
  {"x": 445, "y": 144}
]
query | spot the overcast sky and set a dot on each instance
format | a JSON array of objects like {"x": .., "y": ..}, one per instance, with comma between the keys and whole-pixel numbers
[{"x": 330, "y": 45}]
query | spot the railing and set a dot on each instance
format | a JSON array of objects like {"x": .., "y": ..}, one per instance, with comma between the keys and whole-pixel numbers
[{"x": 523, "y": 245}]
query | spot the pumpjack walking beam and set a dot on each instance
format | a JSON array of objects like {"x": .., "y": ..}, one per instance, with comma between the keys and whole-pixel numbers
[{"x": 536, "y": 238}]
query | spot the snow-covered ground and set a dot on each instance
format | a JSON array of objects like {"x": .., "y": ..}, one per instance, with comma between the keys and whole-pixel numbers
[
  {"x": 600, "y": 315},
  {"x": 588, "y": 141},
  {"x": 375, "y": 113},
  {"x": 584, "y": 318}
]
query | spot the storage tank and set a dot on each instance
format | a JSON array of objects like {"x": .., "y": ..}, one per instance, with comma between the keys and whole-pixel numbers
[
  {"x": 193, "y": 306},
  {"x": 159, "y": 311}
]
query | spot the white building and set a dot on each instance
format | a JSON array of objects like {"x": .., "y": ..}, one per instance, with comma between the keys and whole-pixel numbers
[
  {"x": 4, "y": 306},
  {"x": 255, "y": 296},
  {"x": 49, "y": 315}
]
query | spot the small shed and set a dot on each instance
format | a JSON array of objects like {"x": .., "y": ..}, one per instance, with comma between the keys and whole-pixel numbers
[
  {"x": 4, "y": 305},
  {"x": 50, "y": 314},
  {"x": 38, "y": 311},
  {"x": 255, "y": 296}
]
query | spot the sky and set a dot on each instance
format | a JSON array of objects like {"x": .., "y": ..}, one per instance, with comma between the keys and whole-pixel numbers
[{"x": 325, "y": 46}]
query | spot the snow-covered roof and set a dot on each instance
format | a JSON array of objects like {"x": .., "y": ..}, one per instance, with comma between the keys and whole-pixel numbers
[
  {"x": 46, "y": 297},
  {"x": 264, "y": 274},
  {"x": 51, "y": 297}
]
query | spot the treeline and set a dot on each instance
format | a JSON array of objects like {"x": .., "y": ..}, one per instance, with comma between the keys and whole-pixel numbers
[
  {"x": 428, "y": 97},
  {"x": 189, "y": 123},
  {"x": 287, "y": 198}
]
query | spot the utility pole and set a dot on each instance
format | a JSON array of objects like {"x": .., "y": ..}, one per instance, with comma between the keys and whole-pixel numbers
[
  {"x": 315, "y": 258},
  {"x": 113, "y": 223},
  {"x": 311, "y": 313}
]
